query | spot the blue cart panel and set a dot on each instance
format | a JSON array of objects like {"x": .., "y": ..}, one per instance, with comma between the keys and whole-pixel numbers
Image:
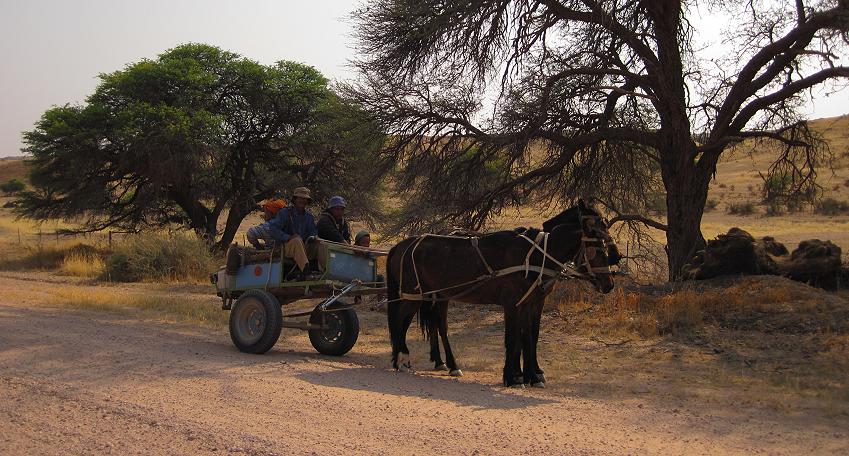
[
  {"x": 256, "y": 275},
  {"x": 346, "y": 266}
]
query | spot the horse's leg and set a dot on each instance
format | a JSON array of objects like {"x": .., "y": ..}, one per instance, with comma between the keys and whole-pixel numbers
[
  {"x": 442, "y": 318},
  {"x": 408, "y": 312},
  {"x": 535, "y": 329},
  {"x": 393, "y": 311},
  {"x": 512, "y": 344},
  {"x": 430, "y": 324}
]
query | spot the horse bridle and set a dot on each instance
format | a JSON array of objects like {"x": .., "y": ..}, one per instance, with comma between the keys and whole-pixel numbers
[{"x": 586, "y": 252}]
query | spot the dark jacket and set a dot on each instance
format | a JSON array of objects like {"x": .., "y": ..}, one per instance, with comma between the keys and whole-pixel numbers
[
  {"x": 289, "y": 222},
  {"x": 330, "y": 229}
]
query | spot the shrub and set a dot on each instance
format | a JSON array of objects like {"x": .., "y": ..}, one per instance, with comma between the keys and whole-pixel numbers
[
  {"x": 159, "y": 257},
  {"x": 774, "y": 208},
  {"x": 831, "y": 206},
  {"x": 83, "y": 261},
  {"x": 794, "y": 205},
  {"x": 776, "y": 186},
  {"x": 711, "y": 204},
  {"x": 49, "y": 256},
  {"x": 744, "y": 208},
  {"x": 12, "y": 186},
  {"x": 656, "y": 203}
]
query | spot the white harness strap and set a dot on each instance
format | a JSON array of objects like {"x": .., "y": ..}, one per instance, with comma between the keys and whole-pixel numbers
[{"x": 541, "y": 238}]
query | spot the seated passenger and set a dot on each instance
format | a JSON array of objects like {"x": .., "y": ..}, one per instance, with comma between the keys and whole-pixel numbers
[
  {"x": 362, "y": 239},
  {"x": 294, "y": 228},
  {"x": 271, "y": 207},
  {"x": 332, "y": 225},
  {"x": 259, "y": 236}
]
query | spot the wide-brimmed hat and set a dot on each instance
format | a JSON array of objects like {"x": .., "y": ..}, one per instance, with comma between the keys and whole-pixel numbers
[
  {"x": 302, "y": 192},
  {"x": 336, "y": 201}
]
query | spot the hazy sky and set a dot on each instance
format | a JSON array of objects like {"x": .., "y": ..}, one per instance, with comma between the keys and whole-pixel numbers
[{"x": 53, "y": 50}]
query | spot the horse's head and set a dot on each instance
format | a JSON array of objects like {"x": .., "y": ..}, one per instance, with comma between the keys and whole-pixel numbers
[{"x": 594, "y": 249}]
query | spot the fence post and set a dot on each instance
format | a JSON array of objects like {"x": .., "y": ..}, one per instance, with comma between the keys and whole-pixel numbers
[
  {"x": 19, "y": 236},
  {"x": 110, "y": 239}
]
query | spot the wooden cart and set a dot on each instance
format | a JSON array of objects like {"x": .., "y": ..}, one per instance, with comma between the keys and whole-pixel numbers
[{"x": 256, "y": 294}]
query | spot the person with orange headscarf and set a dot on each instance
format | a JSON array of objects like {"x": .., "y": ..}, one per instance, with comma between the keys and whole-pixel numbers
[{"x": 271, "y": 207}]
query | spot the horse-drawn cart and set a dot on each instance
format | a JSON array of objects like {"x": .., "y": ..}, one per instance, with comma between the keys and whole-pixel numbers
[{"x": 252, "y": 286}]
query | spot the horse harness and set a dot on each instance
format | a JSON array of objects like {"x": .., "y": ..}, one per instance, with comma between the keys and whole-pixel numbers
[{"x": 540, "y": 243}]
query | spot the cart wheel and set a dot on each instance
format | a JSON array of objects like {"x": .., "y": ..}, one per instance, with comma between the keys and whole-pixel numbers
[
  {"x": 256, "y": 321},
  {"x": 343, "y": 328}
]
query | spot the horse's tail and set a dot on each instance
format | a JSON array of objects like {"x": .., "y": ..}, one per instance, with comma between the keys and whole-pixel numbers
[
  {"x": 393, "y": 294},
  {"x": 425, "y": 315}
]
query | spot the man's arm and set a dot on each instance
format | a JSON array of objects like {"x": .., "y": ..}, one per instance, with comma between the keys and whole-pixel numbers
[
  {"x": 346, "y": 232},
  {"x": 310, "y": 229},
  {"x": 277, "y": 226}
]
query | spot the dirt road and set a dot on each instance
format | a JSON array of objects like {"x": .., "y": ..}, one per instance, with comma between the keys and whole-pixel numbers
[{"x": 74, "y": 382}]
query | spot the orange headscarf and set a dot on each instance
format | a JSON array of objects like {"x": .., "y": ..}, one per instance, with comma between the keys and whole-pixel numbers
[{"x": 272, "y": 206}]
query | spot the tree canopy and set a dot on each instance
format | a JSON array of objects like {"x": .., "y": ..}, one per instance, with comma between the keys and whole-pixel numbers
[
  {"x": 193, "y": 135},
  {"x": 589, "y": 98}
]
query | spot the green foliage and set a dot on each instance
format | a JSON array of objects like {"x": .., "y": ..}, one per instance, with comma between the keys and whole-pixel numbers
[
  {"x": 12, "y": 186},
  {"x": 194, "y": 134},
  {"x": 774, "y": 209},
  {"x": 776, "y": 186},
  {"x": 744, "y": 208},
  {"x": 831, "y": 206},
  {"x": 159, "y": 258}
]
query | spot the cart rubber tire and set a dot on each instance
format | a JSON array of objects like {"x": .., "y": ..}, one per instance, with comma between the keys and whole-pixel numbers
[
  {"x": 256, "y": 321},
  {"x": 342, "y": 334}
]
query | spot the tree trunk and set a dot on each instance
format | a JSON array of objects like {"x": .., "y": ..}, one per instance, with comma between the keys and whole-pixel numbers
[
  {"x": 684, "y": 235},
  {"x": 234, "y": 219},
  {"x": 686, "y": 193}
]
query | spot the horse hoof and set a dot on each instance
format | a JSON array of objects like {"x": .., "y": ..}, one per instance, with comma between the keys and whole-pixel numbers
[
  {"x": 441, "y": 367},
  {"x": 538, "y": 385},
  {"x": 456, "y": 373},
  {"x": 518, "y": 386}
]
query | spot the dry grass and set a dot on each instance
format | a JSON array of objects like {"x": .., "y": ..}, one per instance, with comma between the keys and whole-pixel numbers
[
  {"x": 627, "y": 313},
  {"x": 52, "y": 257},
  {"x": 82, "y": 265},
  {"x": 13, "y": 168},
  {"x": 175, "y": 309},
  {"x": 152, "y": 257}
]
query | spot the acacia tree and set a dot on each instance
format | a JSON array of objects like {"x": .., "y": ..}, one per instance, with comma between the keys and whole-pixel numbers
[
  {"x": 603, "y": 98},
  {"x": 190, "y": 136}
]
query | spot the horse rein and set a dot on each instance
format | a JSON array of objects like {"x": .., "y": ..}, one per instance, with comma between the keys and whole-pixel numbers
[{"x": 581, "y": 259}]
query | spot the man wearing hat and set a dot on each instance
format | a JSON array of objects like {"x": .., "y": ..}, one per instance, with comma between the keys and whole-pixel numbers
[
  {"x": 294, "y": 228},
  {"x": 332, "y": 225}
]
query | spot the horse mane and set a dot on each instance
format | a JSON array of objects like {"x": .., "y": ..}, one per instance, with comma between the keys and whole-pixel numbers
[{"x": 570, "y": 216}]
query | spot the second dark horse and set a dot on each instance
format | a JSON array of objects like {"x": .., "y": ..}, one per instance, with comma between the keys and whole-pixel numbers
[{"x": 430, "y": 270}]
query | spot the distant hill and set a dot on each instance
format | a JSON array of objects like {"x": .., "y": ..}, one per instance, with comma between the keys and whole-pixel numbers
[
  {"x": 13, "y": 168},
  {"x": 738, "y": 178}
]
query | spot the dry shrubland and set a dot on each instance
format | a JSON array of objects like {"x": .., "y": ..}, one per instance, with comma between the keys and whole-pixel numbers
[
  {"x": 137, "y": 258},
  {"x": 175, "y": 257},
  {"x": 751, "y": 303}
]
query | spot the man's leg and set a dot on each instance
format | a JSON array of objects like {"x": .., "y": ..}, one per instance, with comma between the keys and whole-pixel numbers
[
  {"x": 317, "y": 251},
  {"x": 294, "y": 248},
  {"x": 258, "y": 237}
]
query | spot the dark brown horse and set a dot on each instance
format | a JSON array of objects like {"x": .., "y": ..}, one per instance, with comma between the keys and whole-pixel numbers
[{"x": 514, "y": 269}]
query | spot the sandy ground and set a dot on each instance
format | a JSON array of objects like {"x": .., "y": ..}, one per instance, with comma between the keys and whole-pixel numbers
[{"x": 75, "y": 382}]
